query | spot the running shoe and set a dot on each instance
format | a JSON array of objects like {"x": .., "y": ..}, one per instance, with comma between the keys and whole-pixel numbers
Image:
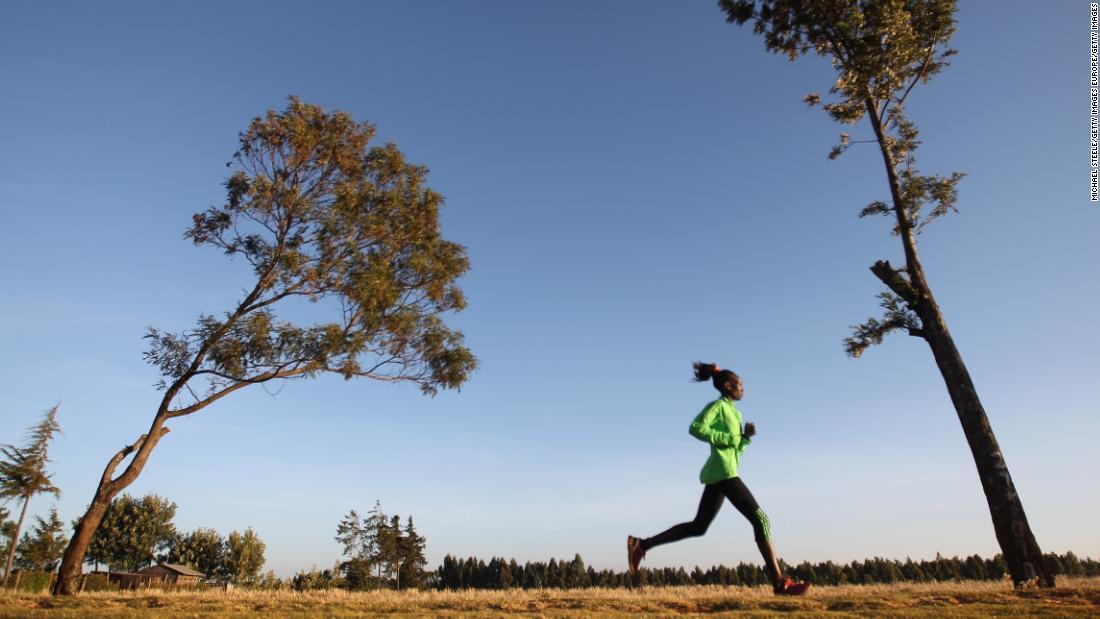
[
  {"x": 790, "y": 587},
  {"x": 634, "y": 553}
]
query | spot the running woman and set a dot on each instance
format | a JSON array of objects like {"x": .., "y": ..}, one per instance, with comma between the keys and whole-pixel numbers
[{"x": 719, "y": 424}]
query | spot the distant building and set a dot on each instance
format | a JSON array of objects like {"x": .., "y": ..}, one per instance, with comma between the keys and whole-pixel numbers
[
  {"x": 172, "y": 574},
  {"x": 160, "y": 575}
]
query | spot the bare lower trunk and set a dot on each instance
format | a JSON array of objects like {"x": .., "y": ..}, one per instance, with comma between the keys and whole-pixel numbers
[
  {"x": 70, "y": 570},
  {"x": 1021, "y": 551},
  {"x": 68, "y": 577},
  {"x": 15, "y": 539}
]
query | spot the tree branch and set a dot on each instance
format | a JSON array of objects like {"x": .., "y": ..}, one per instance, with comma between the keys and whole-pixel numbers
[
  {"x": 121, "y": 455},
  {"x": 895, "y": 282},
  {"x": 260, "y": 378},
  {"x": 920, "y": 74}
]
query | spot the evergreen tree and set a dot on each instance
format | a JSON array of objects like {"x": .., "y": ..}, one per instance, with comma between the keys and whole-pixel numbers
[
  {"x": 41, "y": 548},
  {"x": 450, "y": 574},
  {"x": 374, "y": 526},
  {"x": 352, "y": 533},
  {"x": 23, "y": 475},
  {"x": 578, "y": 575},
  {"x": 7, "y": 531},
  {"x": 413, "y": 561},
  {"x": 391, "y": 548}
]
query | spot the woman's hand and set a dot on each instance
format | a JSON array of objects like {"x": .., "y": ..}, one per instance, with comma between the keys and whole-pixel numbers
[{"x": 750, "y": 430}]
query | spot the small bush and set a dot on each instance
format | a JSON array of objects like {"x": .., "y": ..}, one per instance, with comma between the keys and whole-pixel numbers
[{"x": 32, "y": 582}]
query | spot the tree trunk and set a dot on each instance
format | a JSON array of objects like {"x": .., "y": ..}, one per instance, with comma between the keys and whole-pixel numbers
[
  {"x": 1021, "y": 551},
  {"x": 73, "y": 560},
  {"x": 1014, "y": 535},
  {"x": 15, "y": 539}
]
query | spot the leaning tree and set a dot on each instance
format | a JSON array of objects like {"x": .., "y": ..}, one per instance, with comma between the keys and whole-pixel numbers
[
  {"x": 321, "y": 215},
  {"x": 23, "y": 474},
  {"x": 881, "y": 50}
]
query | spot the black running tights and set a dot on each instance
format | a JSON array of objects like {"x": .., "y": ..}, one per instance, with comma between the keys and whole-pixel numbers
[{"x": 733, "y": 489}]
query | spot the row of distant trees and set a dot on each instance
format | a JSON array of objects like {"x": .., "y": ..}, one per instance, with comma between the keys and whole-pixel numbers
[{"x": 498, "y": 573}]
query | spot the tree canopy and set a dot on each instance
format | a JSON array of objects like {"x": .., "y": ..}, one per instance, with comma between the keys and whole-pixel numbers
[
  {"x": 41, "y": 547},
  {"x": 319, "y": 214},
  {"x": 881, "y": 50},
  {"x": 244, "y": 556},
  {"x": 23, "y": 469},
  {"x": 134, "y": 531},
  {"x": 201, "y": 549},
  {"x": 23, "y": 474}
]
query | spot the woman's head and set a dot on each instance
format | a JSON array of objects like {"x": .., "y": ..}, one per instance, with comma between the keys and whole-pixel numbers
[{"x": 726, "y": 382}]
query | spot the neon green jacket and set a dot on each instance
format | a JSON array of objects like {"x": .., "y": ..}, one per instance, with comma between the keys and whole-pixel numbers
[{"x": 719, "y": 424}]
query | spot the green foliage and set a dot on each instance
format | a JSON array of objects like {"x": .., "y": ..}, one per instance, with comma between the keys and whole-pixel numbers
[
  {"x": 23, "y": 469},
  {"x": 380, "y": 553},
  {"x": 881, "y": 49},
  {"x": 203, "y": 550},
  {"x": 244, "y": 557},
  {"x": 133, "y": 532},
  {"x": 897, "y": 315},
  {"x": 268, "y": 581},
  {"x": 30, "y": 581},
  {"x": 322, "y": 215},
  {"x": 474, "y": 573},
  {"x": 411, "y": 557},
  {"x": 316, "y": 579},
  {"x": 98, "y": 582},
  {"x": 42, "y": 547},
  {"x": 7, "y": 531},
  {"x": 237, "y": 558},
  {"x": 23, "y": 474}
]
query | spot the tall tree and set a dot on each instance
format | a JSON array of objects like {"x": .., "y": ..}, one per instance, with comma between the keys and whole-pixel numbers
[
  {"x": 134, "y": 531},
  {"x": 7, "y": 531},
  {"x": 202, "y": 549},
  {"x": 23, "y": 474},
  {"x": 321, "y": 215},
  {"x": 41, "y": 547},
  {"x": 351, "y": 532},
  {"x": 411, "y": 571},
  {"x": 391, "y": 547},
  {"x": 881, "y": 50},
  {"x": 244, "y": 556},
  {"x": 375, "y": 525}
]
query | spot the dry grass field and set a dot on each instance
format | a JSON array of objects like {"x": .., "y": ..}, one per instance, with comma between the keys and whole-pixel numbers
[{"x": 1072, "y": 598}]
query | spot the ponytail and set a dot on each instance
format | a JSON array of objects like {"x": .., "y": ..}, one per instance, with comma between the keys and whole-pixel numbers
[
  {"x": 713, "y": 373},
  {"x": 704, "y": 371}
]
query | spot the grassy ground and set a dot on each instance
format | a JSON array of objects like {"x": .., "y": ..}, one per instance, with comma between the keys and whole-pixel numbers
[{"x": 1072, "y": 598}]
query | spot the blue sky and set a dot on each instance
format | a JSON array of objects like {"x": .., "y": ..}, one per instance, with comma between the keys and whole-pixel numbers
[{"x": 638, "y": 186}]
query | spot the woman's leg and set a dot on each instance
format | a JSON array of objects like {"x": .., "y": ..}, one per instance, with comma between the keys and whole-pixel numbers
[
  {"x": 709, "y": 504},
  {"x": 738, "y": 494}
]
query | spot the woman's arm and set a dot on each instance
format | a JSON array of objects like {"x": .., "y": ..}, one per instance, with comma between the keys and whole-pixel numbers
[{"x": 702, "y": 429}]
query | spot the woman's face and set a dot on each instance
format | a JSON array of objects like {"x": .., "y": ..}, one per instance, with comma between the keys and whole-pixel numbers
[{"x": 737, "y": 389}]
